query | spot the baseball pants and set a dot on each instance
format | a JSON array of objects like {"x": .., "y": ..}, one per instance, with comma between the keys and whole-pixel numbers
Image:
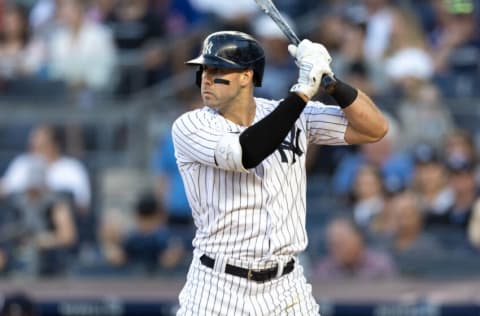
[{"x": 208, "y": 292}]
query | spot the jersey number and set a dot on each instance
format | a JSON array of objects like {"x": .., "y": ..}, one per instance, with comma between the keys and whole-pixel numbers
[{"x": 291, "y": 145}]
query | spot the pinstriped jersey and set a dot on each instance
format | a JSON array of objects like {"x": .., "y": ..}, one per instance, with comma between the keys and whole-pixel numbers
[{"x": 259, "y": 215}]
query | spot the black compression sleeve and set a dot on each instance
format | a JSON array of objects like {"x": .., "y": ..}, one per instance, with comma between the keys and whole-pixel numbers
[{"x": 261, "y": 139}]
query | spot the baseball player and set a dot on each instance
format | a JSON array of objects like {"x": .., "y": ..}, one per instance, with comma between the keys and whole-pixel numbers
[{"x": 242, "y": 160}]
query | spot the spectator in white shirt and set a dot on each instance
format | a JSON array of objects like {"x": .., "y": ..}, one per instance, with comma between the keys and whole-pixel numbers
[
  {"x": 63, "y": 173},
  {"x": 82, "y": 52}
]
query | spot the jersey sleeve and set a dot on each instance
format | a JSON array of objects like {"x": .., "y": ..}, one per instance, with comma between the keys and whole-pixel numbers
[
  {"x": 326, "y": 124},
  {"x": 197, "y": 139}
]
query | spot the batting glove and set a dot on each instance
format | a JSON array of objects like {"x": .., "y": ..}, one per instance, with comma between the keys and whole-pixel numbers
[{"x": 313, "y": 61}]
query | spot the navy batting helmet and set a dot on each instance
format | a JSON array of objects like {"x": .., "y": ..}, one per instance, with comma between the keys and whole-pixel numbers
[{"x": 233, "y": 50}]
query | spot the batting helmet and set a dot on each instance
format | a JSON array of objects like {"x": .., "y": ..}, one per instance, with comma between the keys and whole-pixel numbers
[{"x": 233, "y": 50}]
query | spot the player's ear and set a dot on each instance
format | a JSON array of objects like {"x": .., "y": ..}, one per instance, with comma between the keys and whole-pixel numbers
[{"x": 246, "y": 77}]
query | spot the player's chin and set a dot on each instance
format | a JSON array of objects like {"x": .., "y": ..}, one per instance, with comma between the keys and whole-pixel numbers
[{"x": 209, "y": 99}]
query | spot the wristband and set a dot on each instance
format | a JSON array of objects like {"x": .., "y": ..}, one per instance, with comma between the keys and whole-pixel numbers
[{"x": 344, "y": 94}]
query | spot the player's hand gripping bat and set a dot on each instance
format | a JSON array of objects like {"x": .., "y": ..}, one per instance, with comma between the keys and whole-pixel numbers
[{"x": 267, "y": 6}]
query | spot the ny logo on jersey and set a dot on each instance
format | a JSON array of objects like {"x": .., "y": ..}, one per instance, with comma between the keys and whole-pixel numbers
[{"x": 291, "y": 145}]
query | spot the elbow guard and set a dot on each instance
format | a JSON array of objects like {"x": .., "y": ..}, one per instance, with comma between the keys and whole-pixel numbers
[{"x": 228, "y": 154}]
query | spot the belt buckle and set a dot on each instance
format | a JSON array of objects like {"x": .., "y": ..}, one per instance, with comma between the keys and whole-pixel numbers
[{"x": 249, "y": 274}]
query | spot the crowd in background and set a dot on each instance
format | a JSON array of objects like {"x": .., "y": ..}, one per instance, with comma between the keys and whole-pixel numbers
[{"x": 400, "y": 207}]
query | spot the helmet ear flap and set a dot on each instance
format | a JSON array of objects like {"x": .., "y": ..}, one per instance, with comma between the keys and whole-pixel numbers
[{"x": 198, "y": 77}]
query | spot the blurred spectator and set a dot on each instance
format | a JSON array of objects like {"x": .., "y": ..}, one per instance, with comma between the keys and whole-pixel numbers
[
  {"x": 138, "y": 34},
  {"x": 406, "y": 56},
  {"x": 411, "y": 247},
  {"x": 349, "y": 62},
  {"x": 349, "y": 257},
  {"x": 20, "y": 54},
  {"x": 457, "y": 217},
  {"x": 455, "y": 45},
  {"x": 430, "y": 181},
  {"x": 455, "y": 39},
  {"x": 409, "y": 238},
  {"x": 459, "y": 144},
  {"x": 381, "y": 231},
  {"x": 280, "y": 71},
  {"x": 47, "y": 221},
  {"x": 408, "y": 68},
  {"x": 379, "y": 29},
  {"x": 82, "y": 52},
  {"x": 150, "y": 246},
  {"x": 462, "y": 182},
  {"x": 383, "y": 155},
  {"x": 368, "y": 195},
  {"x": 64, "y": 174},
  {"x": 331, "y": 32},
  {"x": 18, "y": 304},
  {"x": 423, "y": 115}
]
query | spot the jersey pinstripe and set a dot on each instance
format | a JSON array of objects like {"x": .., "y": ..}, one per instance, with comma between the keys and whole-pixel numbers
[{"x": 253, "y": 218}]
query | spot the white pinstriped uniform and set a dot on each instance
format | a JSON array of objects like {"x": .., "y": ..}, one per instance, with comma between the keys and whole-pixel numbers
[{"x": 253, "y": 219}]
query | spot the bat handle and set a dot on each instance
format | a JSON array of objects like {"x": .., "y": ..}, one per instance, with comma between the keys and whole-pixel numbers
[{"x": 328, "y": 83}]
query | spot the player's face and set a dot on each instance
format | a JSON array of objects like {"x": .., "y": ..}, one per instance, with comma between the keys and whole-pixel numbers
[{"x": 221, "y": 87}]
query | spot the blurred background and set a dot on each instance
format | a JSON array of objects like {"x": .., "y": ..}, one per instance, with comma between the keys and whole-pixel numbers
[{"x": 93, "y": 216}]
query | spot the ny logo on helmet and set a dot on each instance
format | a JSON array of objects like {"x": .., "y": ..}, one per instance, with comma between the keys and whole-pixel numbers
[{"x": 207, "y": 50}]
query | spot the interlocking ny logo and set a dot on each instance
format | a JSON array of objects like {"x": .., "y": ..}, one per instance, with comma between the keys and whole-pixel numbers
[
  {"x": 207, "y": 50},
  {"x": 291, "y": 145}
]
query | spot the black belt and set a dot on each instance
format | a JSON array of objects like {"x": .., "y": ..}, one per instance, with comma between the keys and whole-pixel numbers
[{"x": 255, "y": 275}]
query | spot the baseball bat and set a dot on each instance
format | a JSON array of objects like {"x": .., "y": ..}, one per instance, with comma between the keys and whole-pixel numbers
[{"x": 267, "y": 6}]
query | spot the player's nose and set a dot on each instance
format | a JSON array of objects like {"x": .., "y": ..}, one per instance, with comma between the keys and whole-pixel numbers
[{"x": 207, "y": 77}]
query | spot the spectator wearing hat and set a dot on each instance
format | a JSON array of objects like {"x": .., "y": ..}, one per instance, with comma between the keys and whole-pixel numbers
[
  {"x": 408, "y": 68},
  {"x": 406, "y": 57}
]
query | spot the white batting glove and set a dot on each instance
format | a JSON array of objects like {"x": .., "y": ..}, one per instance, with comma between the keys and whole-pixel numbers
[{"x": 313, "y": 61}]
